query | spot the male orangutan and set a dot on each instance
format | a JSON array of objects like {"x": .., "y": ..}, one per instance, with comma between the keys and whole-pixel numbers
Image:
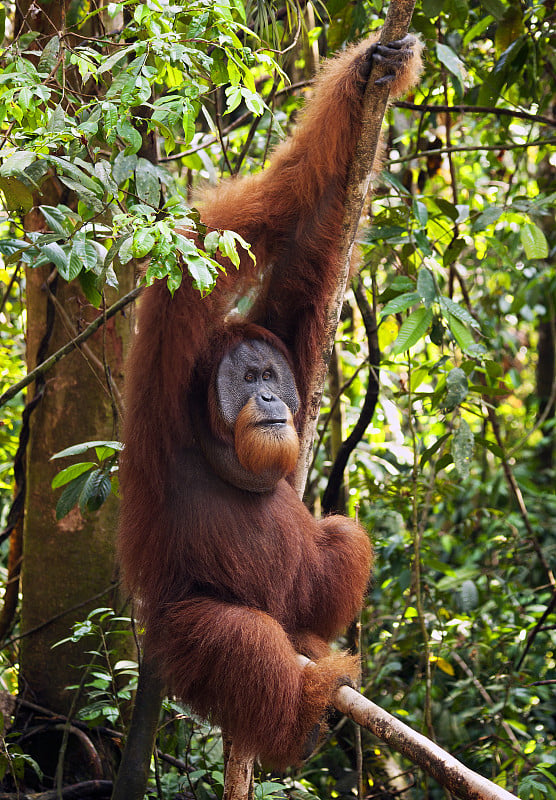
[{"x": 232, "y": 574}]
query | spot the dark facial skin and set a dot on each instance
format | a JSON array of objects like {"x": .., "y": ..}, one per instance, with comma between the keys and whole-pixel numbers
[{"x": 256, "y": 370}]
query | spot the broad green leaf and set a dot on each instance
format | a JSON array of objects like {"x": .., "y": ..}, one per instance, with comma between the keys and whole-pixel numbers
[
  {"x": 95, "y": 491},
  {"x": 453, "y": 251},
  {"x": 83, "y": 255},
  {"x": 56, "y": 255},
  {"x": 489, "y": 216},
  {"x": 426, "y": 286},
  {"x": 108, "y": 64},
  {"x": 82, "y": 447},
  {"x": 70, "y": 473},
  {"x": 211, "y": 242},
  {"x": 143, "y": 243},
  {"x": 457, "y": 387},
  {"x": 147, "y": 183},
  {"x": 70, "y": 496},
  {"x": 253, "y": 101},
  {"x": 450, "y": 60},
  {"x": 201, "y": 270},
  {"x": 130, "y": 135},
  {"x": 461, "y": 334},
  {"x": 57, "y": 121},
  {"x": 17, "y": 163},
  {"x": 89, "y": 284},
  {"x": 420, "y": 212},
  {"x": 462, "y": 448},
  {"x": 400, "y": 303},
  {"x": 430, "y": 451},
  {"x": 58, "y": 219},
  {"x": 459, "y": 312},
  {"x": 17, "y": 195},
  {"x": 123, "y": 167},
  {"x": 80, "y": 177},
  {"x": 175, "y": 277},
  {"x": 77, "y": 13},
  {"x": 413, "y": 329},
  {"x": 233, "y": 98},
  {"x": 533, "y": 241}
]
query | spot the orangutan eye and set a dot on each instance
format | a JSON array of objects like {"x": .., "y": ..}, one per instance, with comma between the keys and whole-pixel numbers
[
  {"x": 249, "y": 377},
  {"x": 267, "y": 375}
]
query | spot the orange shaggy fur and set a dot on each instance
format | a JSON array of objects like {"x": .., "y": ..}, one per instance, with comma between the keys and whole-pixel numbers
[{"x": 231, "y": 582}]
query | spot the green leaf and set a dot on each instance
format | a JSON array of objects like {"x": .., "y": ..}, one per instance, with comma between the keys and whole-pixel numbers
[
  {"x": 77, "y": 13},
  {"x": 80, "y": 177},
  {"x": 420, "y": 212},
  {"x": 82, "y": 447},
  {"x": 211, "y": 242},
  {"x": 462, "y": 448},
  {"x": 143, "y": 243},
  {"x": 459, "y": 312},
  {"x": 202, "y": 271},
  {"x": 56, "y": 255},
  {"x": 400, "y": 303},
  {"x": 17, "y": 163},
  {"x": 17, "y": 195},
  {"x": 533, "y": 241},
  {"x": 58, "y": 219},
  {"x": 49, "y": 56},
  {"x": 426, "y": 286},
  {"x": 147, "y": 182},
  {"x": 108, "y": 64},
  {"x": 457, "y": 387},
  {"x": 70, "y": 496},
  {"x": 461, "y": 334},
  {"x": 95, "y": 490},
  {"x": 450, "y": 60},
  {"x": 430, "y": 451},
  {"x": 453, "y": 251},
  {"x": 123, "y": 167},
  {"x": 413, "y": 329},
  {"x": 130, "y": 135},
  {"x": 489, "y": 216},
  {"x": 69, "y": 473}
]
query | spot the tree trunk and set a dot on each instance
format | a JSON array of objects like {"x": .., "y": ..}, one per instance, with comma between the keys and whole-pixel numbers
[{"x": 68, "y": 567}]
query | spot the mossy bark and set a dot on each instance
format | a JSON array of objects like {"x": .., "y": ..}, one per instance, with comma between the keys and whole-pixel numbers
[{"x": 68, "y": 565}]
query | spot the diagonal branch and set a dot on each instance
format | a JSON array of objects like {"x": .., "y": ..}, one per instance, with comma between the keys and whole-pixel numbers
[
  {"x": 48, "y": 363},
  {"x": 447, "y": 770}
]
